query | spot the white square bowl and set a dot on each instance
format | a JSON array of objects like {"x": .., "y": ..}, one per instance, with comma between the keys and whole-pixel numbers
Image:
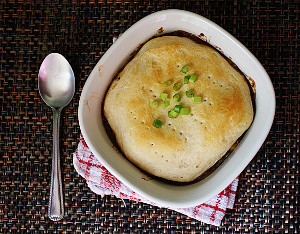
[{"x": 93, "y": 93}]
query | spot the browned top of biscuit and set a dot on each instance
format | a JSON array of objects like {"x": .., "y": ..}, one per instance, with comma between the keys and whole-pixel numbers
[{"x": 186, "y": 146}]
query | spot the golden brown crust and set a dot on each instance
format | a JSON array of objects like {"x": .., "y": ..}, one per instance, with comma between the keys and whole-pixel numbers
[{"x": 184, "y": 147}]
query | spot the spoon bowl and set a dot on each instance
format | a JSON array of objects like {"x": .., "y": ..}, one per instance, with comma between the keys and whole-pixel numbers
[
  {"x": 56, "y": 81},
  {"x": 56, "y": 84}
]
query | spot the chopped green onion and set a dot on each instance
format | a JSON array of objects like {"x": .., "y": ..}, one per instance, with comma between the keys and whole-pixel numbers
[
  {"x": 193, "y": 79},
  {"x": 164, "y": 95},
  {"x": 185, "y": 69},
  {"x": 157, "y": 123},
  {"x": 167, "y": 83},
  {"x": 176, "y": 97},
  {"x": 186, "y": 79},
  {"x": 184, "y": 111},
  {"x": 154, "y": 104},
  {"x": 172, "y": 114},
  {"x": 189, "y": 93},
  {"x": 197, "y": 99},
  {"x": 165, "y": 104},
  {"x": 176, "y": 86},
  {"x": 177, "y": 108}
]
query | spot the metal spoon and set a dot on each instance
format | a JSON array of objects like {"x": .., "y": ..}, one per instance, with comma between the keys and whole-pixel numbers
[{"x": 56, "y": 83}]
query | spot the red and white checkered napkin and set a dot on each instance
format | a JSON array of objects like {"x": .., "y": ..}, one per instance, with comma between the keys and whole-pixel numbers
[{"x": 102, "y": 182}]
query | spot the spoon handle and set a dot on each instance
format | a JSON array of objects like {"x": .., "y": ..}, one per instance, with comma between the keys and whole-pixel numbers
[{"x": 56, "y": 207}]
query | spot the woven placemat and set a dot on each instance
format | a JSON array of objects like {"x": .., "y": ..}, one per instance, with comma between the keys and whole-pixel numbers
[{"x": 267, "y": 198}]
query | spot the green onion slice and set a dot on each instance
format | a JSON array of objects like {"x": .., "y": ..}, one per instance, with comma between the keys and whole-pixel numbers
[
  {"x": 177, "y": 108},
  {"x": 157, "y": 123},
  {"x": 184, "y": 111},
  {"x": 197, "y": 100},
  {"x": 176, "y": 86},
  {"x": 192, "y": 79},
  {"x": 176, "y": 97},
  {"x": 164, "y": 95},
  {"x": 186, "y": 79},
  {"x": 185, "y": 69},
  {"x": 165, "y": 104},
  {"x": 189, "y": 93},
  {"x": 172, "y": 114},
  {"x": 154, "y": 104},
  {"x": 167, "y": 83}
]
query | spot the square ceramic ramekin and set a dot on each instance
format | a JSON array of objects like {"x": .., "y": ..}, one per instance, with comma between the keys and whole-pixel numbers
[{"x": 96, "y": 85}]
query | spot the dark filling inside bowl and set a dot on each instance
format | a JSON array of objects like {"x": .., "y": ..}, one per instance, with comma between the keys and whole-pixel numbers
[{"x": 112, "y": 136}]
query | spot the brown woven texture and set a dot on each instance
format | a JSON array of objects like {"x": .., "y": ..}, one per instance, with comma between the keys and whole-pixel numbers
[{"x": 267, "y": 197}]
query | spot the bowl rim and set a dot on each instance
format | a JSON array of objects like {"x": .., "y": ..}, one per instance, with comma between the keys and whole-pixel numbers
[{"x": 125, "y": 36}]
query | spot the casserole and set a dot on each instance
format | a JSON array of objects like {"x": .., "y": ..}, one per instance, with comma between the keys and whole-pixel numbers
[{"x": 93, "y": 93}]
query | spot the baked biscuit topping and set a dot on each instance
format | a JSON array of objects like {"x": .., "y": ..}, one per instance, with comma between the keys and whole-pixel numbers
[{"x": 177, "y": 107}]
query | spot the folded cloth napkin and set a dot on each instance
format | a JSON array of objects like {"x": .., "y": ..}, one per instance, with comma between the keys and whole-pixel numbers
[{"x": 102, "y": 182}]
